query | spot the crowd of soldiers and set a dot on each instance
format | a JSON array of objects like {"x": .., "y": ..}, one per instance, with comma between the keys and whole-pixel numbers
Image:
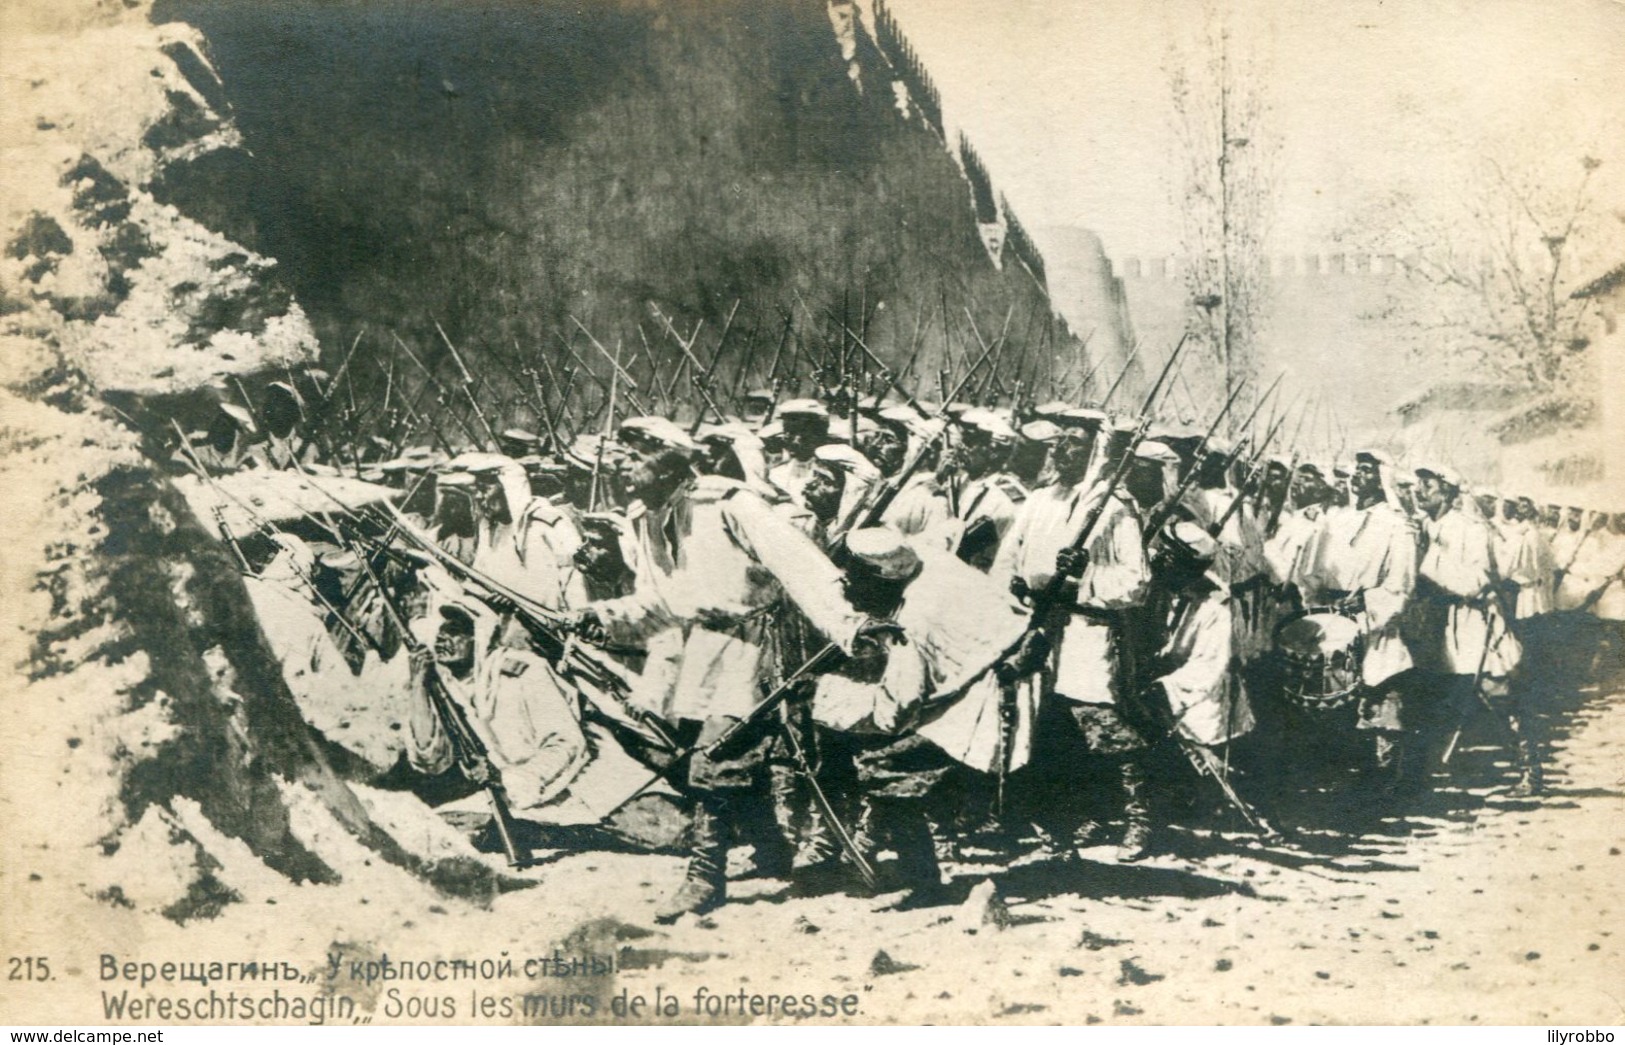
[{"x": 842, "y": 629}]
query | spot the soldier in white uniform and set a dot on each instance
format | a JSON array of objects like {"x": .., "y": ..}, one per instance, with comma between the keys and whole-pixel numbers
[
  {"x": 886, "y": 443},
  {"x": 227, "y": 445},
  {"x": 532, "y": 734},
  {"x": 988, "y": 494},
  {"x": 1529, "y": 561},
  {"x": 1106, "y": 578},
  {"x": 717, "y": 564},
  {"x": 524, "y": 541},
  {"x": 921, "y": 506},
  {"x": 1591, "y": 598},
  {"x": 844, "y": 471},
  {"x": 806, "y": 428},
  {"x": 282, "y": 411},
  {"x": 936, "y": 705},
  {"x": 1367, "y": 560},
  {"x": 1468, "y": 638},
  {"x": 1190, "y": 679},
  {"x": 1213, "y": 504},
  {"x": 1291, "y": 551}
]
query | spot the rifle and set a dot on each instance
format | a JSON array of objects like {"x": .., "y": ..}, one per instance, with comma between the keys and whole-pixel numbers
[
  {"x": 320, "y": 422},
  {"x": 1056, "y": 590},
  {"x": 1054, "y": 593},
  {"x": 768, "y": 705},
  {"x": 698, "y": 375},
  {"x": 893, "y": 381},
  {"x": 609, "y": 429},
  {"x": 614, "y": 361},
  {"x": 1203, "y": 761},
  {"x": 1596, "y": 596},
  {"x": 468, "y": 385},
  {"x": 922, "y": 327},
  {"x": 468, "y": 751},
  {"x": 1274, "y": 521},
  {"x": 1254, "y": 473},
  {"x": 889, "y": 491},
  {"x": 1128, "y": 364},
  {"x": 1478, "y": 677},
  {"x": 999, "y": 344},
  {"x": 860, "y": 862},
  {"x": 778, "y": 354},
  {"x": 231, "y": 540},
  {"x": 561, "y": 413},
  {"x": 1160, "y": 514},
  {"x": 704, "y": 380},
  {"x": 542, "y": 412},
  {"x": 582, "y": 367},
  {"x": 745, "y": 362},
  {"x": 441, "y": 395},
  {"x": 552, "y": 632},
  {"x": 778, "y": 695},
  {"x": 309, "y": 581}
]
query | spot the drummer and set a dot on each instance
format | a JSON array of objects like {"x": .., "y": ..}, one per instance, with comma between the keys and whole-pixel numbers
[{"x": 1366, "y": 570}]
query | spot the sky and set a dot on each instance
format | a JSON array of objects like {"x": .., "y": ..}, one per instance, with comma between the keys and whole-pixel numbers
[{"x": 1068, "y": 101}]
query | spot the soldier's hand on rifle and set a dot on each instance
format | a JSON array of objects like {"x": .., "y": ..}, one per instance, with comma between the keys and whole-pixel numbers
[
  {"x": 419, "y": 660},
  {"x": 871, "y": 648},
  {"x": 589, "y": 627},
  {"x": 875, "y": 630},
  {"x": 1027, "y": 658},
  {"x": 1071, "y": 562}
]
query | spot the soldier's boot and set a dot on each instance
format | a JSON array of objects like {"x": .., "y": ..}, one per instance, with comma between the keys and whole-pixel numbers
[
  {"x": 1136, "y": 844},
  {"x": 868, "y": 834},
  {"x": 1531, "y": 778},
  {"x": 705, "y": 885},
  {"x": 916, "y": 868},
  {"x": 1087, "y": 834},
  {"x": 1384, "y": 752},
  {"x": 773, "y": 824},
  {"x": 1388, "y": 760},
  {"x": 818, "y": 851}
]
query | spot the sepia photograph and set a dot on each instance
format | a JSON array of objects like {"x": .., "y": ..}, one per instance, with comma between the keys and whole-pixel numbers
[{"x": 812, "y": 512}]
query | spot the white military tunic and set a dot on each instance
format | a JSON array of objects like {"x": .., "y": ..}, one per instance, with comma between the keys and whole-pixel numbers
[
  {"x": 1527, "y": 560},
  {"x": 1084, "y": 664},
  {"x": 1460, "y": 559},
  {"x": 715, "y": 563},
  {"x": 991, "y": 500},
  {"x": 792, "y": 476},
  {"x": 1197, "y": 667},
  {"x": 920, "y": 507},
  {"x": 532, "y": 732},
  {"x": 1596, "y": 567},
  {"x": 1290, "y": 551},
  {"x": 1373, "y": 552},
  {"x": 956, "y": 621}
]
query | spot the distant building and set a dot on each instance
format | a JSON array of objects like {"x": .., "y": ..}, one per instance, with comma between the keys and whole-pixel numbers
[{"x": 1605, "y": 335}]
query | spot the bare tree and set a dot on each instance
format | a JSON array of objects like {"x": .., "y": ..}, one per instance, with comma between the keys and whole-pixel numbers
[
  {"x": 1225, "y": 190},
  {"x": 1487, "y": 280}
]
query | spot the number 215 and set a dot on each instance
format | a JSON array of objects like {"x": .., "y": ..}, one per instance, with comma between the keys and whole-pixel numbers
[{"x": 32, "y": 969}]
